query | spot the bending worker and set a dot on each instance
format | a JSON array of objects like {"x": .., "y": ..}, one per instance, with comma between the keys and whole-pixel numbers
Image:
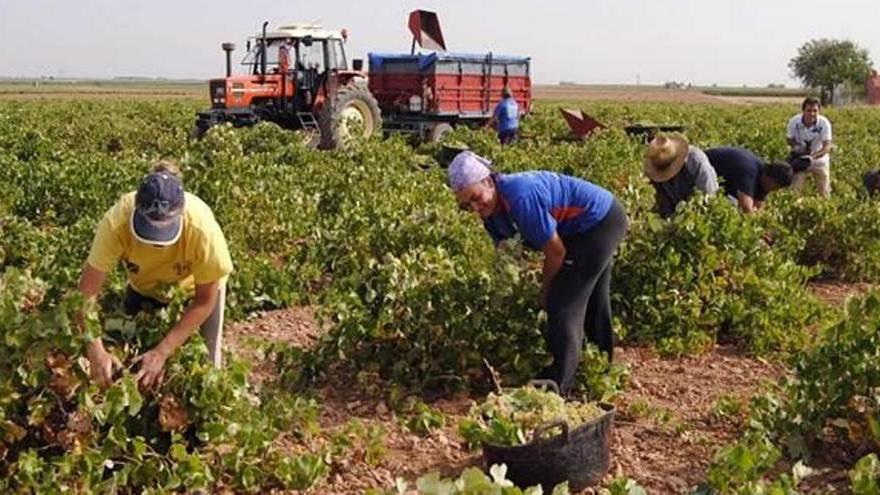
[
  {"x": 576, "y": 224},
  {"x": 164, "y": 237},
  {"x": 677, "y": 169}
]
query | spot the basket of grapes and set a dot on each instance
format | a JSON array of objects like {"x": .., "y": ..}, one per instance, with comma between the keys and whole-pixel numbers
[{"x": 542, "y": 438}]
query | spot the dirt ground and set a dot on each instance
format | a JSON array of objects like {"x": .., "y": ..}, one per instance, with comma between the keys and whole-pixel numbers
[
  {"x": 836, "y": 293},
  {"x": 548, "y": 92},
  {"x": 673, "y": 416},
  {"x": 114, "y": 90},
  {"x": 96, "y": 95},
  {"x": 622, "y": 93},
  {"x": 647, "y": 94}
]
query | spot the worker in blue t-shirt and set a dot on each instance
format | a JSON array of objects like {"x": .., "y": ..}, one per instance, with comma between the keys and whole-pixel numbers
[
  {"x": 576, "y": 224},
  {"x": 505, "y": 118}
]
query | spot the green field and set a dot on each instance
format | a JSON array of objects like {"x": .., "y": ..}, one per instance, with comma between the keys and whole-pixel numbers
[{"x": 414, "y": 303}]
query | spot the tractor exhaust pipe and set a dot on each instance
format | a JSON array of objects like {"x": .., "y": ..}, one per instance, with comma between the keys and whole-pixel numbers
[
  {"x": 263, "y": 51},
  {"x": 228, "y": 48}
]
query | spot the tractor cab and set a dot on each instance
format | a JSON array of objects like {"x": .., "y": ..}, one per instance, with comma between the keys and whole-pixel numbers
[
  {"x": 308, "y": 46},
  {"x": 291, "y": 76},
  {"x": 306, "y": 53}
]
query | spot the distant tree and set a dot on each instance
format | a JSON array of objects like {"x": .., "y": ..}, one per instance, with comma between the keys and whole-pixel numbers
[{"x": 824, "y": 63}]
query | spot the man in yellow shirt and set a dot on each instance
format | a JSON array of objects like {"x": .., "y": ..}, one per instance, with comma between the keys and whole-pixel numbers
[{"x": 164, "y": 237}]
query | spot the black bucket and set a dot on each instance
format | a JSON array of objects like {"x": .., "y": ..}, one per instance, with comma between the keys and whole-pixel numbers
[{"x": 580, "y": 456}]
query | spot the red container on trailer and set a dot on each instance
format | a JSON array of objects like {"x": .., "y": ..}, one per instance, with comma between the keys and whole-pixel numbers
[{"x": 446, "y": 87}]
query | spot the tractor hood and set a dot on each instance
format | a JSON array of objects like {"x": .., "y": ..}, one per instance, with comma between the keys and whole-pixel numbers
[{"x": 241, "y": 91}]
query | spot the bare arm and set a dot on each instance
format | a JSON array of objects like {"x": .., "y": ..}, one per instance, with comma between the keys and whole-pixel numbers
[
  {"x": 101, "y": 362},
  {"x": 746, "y": 202},
  {"x": 153, "y": 362},
  {"x": 826, "y": 148},
  {"x": 91, "y": 281},
  {"x": 554, "y": 255},
  {"x": 194, "y": 315}
]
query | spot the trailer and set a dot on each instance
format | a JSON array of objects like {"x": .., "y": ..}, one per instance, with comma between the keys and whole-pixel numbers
[
  {"x": 427, "y": 94},
  {"x": 430, "y": 94},
  {"x": 298, "y": 77}
]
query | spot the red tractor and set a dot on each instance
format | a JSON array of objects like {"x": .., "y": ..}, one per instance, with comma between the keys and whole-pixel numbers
[{"x": 299, "y": 77}]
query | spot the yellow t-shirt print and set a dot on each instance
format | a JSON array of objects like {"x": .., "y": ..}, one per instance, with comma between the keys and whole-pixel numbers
[{"x": 200, "y": 256}]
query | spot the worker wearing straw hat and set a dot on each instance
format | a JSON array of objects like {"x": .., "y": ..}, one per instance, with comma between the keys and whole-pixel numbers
[{"x": 676, "y": 170}]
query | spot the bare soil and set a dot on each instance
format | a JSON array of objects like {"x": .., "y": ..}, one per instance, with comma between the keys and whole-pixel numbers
[
  {"x": 670, "y": 421},
  {"x": 668, "y": 426},
  {"x": 836, "y": 293},
  {"x": 621, "y": 93},
  {"x": 625, "y": 93},
  {"x": 677, "y": 413}
]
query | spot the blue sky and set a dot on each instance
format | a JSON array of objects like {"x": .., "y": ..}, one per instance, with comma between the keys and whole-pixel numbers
[{"x": 591, "y": 41}]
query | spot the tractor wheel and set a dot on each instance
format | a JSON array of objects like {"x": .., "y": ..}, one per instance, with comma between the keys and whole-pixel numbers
[
  {"x": 438, "y": 132},
  {"x": 352, "y": 114}
]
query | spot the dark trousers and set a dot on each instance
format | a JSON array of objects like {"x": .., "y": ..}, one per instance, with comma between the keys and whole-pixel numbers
[
  {"x": 579, "y": 300},
  {"x": 211, "y": 329},
  {"x": 135, "y": 303},
  {"x": 508, "y": 137}
]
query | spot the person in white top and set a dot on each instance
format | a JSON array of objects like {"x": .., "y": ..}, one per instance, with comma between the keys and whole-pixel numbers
[{"x": 809, "y": 136}]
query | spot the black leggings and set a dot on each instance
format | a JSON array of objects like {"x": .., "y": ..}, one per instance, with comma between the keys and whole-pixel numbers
[
  {"x": 579, "y": 301},
  {"x": 135, "y": 303}
]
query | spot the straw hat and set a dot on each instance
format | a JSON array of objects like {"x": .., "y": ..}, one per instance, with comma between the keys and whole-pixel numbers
[{"x": 665, "y": 156}]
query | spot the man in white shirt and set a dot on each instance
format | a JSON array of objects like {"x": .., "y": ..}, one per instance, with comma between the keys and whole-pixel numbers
[{"x": 809, "y": 136}]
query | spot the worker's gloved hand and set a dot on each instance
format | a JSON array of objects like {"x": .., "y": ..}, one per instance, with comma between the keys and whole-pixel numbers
[
  {"x": 152, "y": 369},
  {"x": 101, "y": 364}
]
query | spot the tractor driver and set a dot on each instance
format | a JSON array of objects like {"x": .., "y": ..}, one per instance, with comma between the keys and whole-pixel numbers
[{"x": 164, "y": 237}]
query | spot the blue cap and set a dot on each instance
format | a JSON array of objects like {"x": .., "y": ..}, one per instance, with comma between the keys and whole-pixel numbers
[{"x": 158, "y": 206}]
